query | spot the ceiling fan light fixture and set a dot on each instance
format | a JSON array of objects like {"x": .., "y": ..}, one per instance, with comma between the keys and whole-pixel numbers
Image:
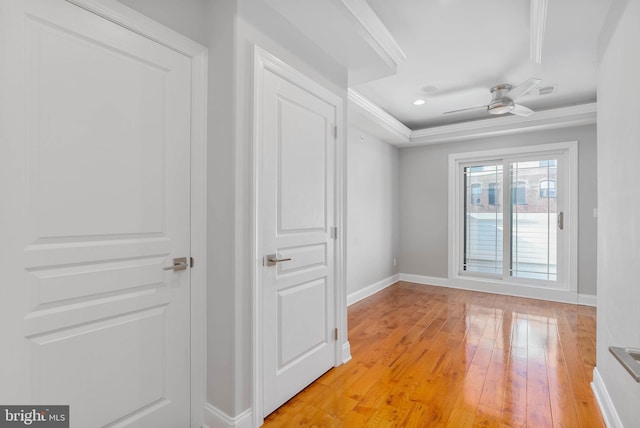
[{"x": 501, "y": 106}]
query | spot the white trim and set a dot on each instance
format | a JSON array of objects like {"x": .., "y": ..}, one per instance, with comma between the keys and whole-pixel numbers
[
  {"x": 371, "y": 23},
  {"x": 588, "y": 300},
  {"x": 346, "y": 352},
  {"x": 199, "y": 74},
  {"x": 608, "y": 410},
  {"x": 537, "y": 24},
  {"x": 486, "y": 286},
  {"x": 424, "y": 280},
  {"x": 216, "y": 418},
  {"x": 263, "y": 60},
  {"x": 378, "y": 117},
  {"x": 402, "y": 136},
  {"x": 563, "y": 117},
  {"x": 372, "y": 289},
  {"x": 198, "y": 236},
  {"x": 128, "y": 18}
]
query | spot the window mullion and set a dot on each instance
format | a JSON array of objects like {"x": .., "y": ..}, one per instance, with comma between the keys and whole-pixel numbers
[{"x": 506, "y": 219}]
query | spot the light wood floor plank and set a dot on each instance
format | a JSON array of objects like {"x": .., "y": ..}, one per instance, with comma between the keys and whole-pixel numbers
[{"x": 428, "y": 356}]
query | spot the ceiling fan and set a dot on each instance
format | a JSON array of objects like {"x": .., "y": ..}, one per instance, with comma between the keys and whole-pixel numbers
[{"x": 502, "y": 99}]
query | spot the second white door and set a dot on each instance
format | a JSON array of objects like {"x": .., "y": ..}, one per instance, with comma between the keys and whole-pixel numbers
[{"x": 297, "y": 215}]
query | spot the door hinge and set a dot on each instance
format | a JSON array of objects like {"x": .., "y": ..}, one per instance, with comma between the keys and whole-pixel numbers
[
  {"x": 336, "y": 334},
  {"x": 335, "y": 132},
  {"x": 334, "y": 232},
  {"x": 191, "y": 262}
]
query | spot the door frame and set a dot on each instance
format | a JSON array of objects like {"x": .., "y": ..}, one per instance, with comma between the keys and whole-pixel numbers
[
  {"x": 265, "y": 61},
  {"x": 138, "y": 23}
]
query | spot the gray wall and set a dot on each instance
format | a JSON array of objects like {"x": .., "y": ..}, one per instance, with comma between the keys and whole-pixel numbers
[
  {"x": 619, "y": 199},
  {"x": 372, "y": 210},
  {"x": 187, "y": 17},
  {"x": 424, "y": 200}
]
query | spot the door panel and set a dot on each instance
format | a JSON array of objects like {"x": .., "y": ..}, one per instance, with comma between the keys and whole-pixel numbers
[
  {"x": 300, "y": 332},
  {"x": 100, "y": 204},
  {"x": 298, "y": 210},
  {"x": 120, "y": 112},
  {"x": 301, "y": 166},
  {"x": 60, "y": 358}
]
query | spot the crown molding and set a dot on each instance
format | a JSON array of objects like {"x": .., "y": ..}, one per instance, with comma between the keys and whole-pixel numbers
[
  {"x": 124, "y": 16},
  {"x": 368, "y": 116},
  {"x": 537, "y": 25},
  {"x": 363, "y": 113},
  {"x": 347, "y": 30},
  {"x": 563, "y": 117},
  {"x": 378, "y": 122},
  {"x": 379, "y": 33}
]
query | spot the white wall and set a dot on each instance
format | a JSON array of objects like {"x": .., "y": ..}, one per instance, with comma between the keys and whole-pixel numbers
[
  {"x": 424, "y": 216},
  {"x": 619, "y": 201},
  {"x": 372, "y": 210}
]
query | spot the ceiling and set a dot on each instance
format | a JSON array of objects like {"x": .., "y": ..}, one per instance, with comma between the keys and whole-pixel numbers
[
  {"x": 457, "y": 49},
  {"x": 450, "y": 53}
]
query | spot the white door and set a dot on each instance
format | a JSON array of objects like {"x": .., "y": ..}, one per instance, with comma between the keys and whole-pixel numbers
[
  {"x": 296, "y": 216},
  {"x": 94, "y": 183}
]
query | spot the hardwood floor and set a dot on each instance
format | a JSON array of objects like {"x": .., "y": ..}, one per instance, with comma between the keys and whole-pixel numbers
[{"x": 427, "y": 356}]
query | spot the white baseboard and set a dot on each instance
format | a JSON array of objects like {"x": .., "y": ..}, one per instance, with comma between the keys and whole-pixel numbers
[
  {"x": 588, "y": 300},
  {"x": 370, "y": 290},
  {"x": 495, "y": 288},
  {"x": 609, "y": 413},
  {"x": 216, "y": 418},
  {"x": 426, "y": 280},
  {"x": 346, "y": 352}
]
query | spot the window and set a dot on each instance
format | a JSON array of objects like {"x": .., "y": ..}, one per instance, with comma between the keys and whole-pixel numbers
[
  {"x": 476, "y": 193},
  {"x": 519, "y": 193},
  {"x": 547, "y": 188},
  {"x": 494, "y": 191},
  {"x": 518, "y": 242},
  {"x": 483, "y": 234}
]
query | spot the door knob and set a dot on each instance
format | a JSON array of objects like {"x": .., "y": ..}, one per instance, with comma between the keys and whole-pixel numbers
[
  {"x": 272, "y": 260},
  {"x": 179, "y": 263}
]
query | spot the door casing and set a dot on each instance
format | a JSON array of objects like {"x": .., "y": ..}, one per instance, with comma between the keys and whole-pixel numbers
[{"x": 263, "y": 61}]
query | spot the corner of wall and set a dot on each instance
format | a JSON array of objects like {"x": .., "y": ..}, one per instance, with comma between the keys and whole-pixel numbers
[
  {"x": 372, "y": 289},
  {"x": 608, "y": 410},
  {"x": 346, "y": 352},
  {"x": 588, "y": 300},
  {"x": 216, "y": 418}
]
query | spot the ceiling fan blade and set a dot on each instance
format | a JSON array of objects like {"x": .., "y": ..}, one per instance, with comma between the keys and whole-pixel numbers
[
  {"x": 466, "y": 109},
  {"x": 523, "y": 88},
  {"x": 520, "y": 110}
]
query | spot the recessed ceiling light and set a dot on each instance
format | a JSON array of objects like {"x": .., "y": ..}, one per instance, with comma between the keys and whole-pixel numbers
[{"x": 418, "y": 102}]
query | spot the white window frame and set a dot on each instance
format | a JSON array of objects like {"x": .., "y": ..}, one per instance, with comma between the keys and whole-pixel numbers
[{"x": 565, "y": 289}]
